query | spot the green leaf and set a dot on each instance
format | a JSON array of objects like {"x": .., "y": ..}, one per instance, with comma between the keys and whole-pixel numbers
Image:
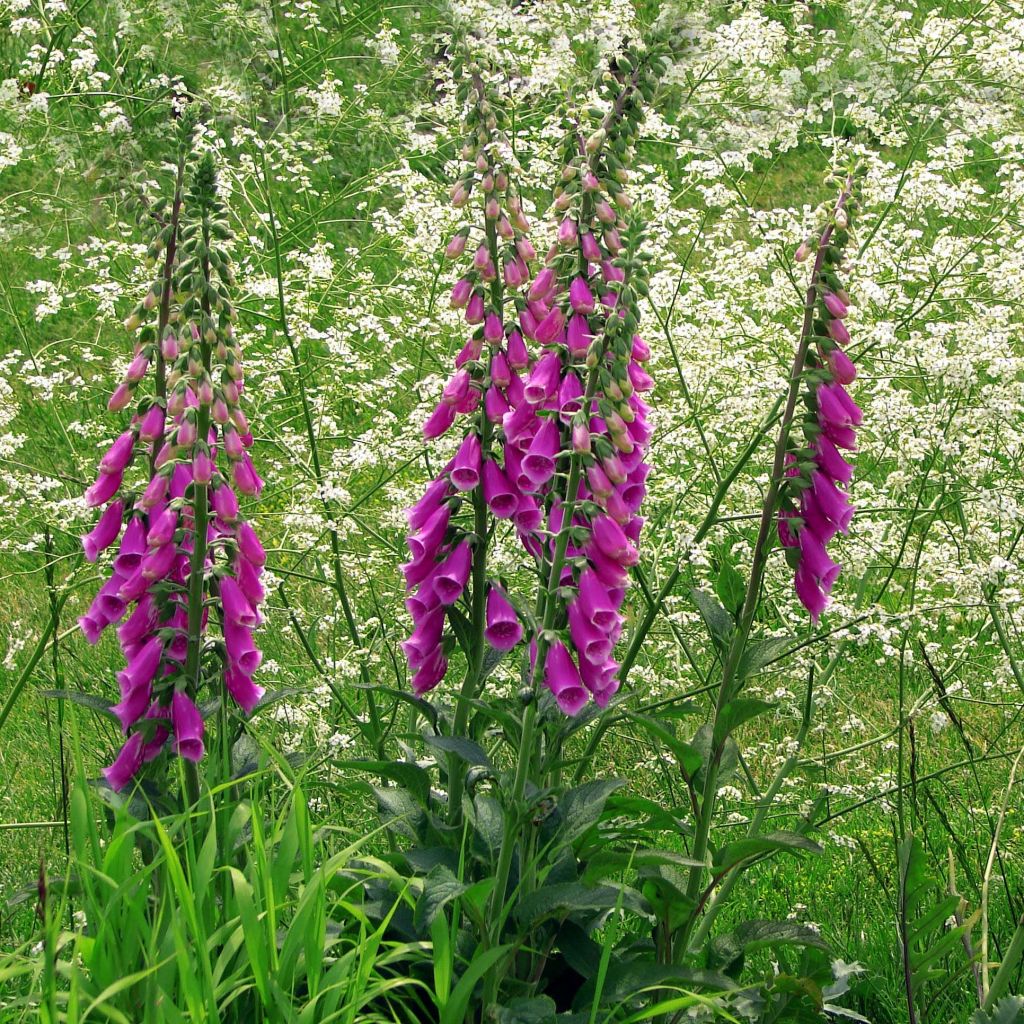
[
  {"x": 730, "y": 588},
  {"x": 564, "y": 898},
  {"x": 770, "y": 842},
  {"x": 399, "y": 810},
  {"x": 728, "y": 760},
  {"x": 468, "y": 750},
  {"x": 687, "y": 756},
  {"x": 455, "y": 1011},
  {"x": 538, "y": 1010},
  {"x": 752, "y": 935},
  {"x": 488, "y": 820},
  {"x": 462, "y": 630},
  {"x": 758, "y": 654},
  {"x": 91, "y": 701},
  {"x": 582, "y": 807},
  {"x": 439, "y": 887},
  {"x": 735, "y": 713},
  {"x": 716, "y": 618},
  {"x": 410, "y": 776}
]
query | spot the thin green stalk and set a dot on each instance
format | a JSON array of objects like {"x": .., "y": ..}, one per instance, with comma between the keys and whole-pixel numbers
[
  {"x": 200, "y": 511},
  {"x": 726, "y": 691},
  {"x": 314, "y": 453}
]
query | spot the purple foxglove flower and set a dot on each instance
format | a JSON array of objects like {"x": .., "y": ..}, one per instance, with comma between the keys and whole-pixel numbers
[
  {"x": 516, "y": 352},
  {"x": 155, "y": 492},
  {"x": 127, "y": 763},
  {"x": 816, "y": 520},
  {"x": 787, "y": 536},
  {"x": 528, "y": 516},
  {"x": 162, "y": 530},
  {"x": 835, "y": 305},
  {"x": 641, "y": 353},
  {"x": 841, "y": 367},
  {"x": 567, "y": 231},
  {"x": 609, "y": 537},
  {"x": 839, "y": 333},
  {"x": 550, "y": 328},
  {"x": 542, "y": 284},
  {"x": 187, "y": 724},
  {"x": 119, "y": 454},
  {"x": 469, "y": 352},
  {"x": 246, "y": 479},
  {"x": 514, "y": 391},
  {"x": 151, "y": 427},
  {"x": 475, "y": 309},
  {"x": 439, "y": 421},
  {"x": 835, "y": 406},
  {"x": 225, "y": 503},
  {"x": 120, "y": 398},
  {"x": 430, "y": 673},
  {"x": 520, "y": 426},
  {"x": 137, "y": 368},
  {"x": 809, "y": 593},
  {"x": 105, "y": 532},
  {"x": 91, "y": 627},
  {"x": 578, "y": 336},
  {"x": 815, "y": 558},
  {"x": 419, "y": 513},
  {"x": 470, "y": 402},
  {"x": 612, "y": 241},
  {"x": 425, "y": 543},
  {"x": 832, "y": 502},
  {"x": 589, "y": 247},
  {"x": 186, "y": 433},
  {"x": 570, "y": 398},
  {"x": 465, "y": 474},
  {"x": 157, "y": 565},
  {"x": 592, "y": 644},
  {"x": 425, "y": 638},
  {"x": 581, "y": 438},
  {"x": 133, "y": 587},
  {"x": 830, "y": 461},
  {"x": 142, "y": 667},
  {"x": 249, "y": 580},
  {"x": 539, "y": 461},
  {"x": 418, "y": 570},
  {"x": 456, "y": 389},
  {"x": 202, "y": 468},
  {"x": 461, "y": 293},
  {"x": 241, "y": 651},
  {"x": 609, "y": 572},
  {"x": 580, "y": 296},
  {"x": 233, "y": 447},
  {"x": 104, "y": 489},
  {"x": 515, "y": 273},
  {"x": 452, "y": 575},
  {"x": 614, "y": 504},
  {"x": 131, "y": 549},
  {"x": 562, "y": 678},
  {"x": 605, "y": 213},
  {"x": 598, "y": 481},
  {"x": 499, "y": 494},
  {"x": 133, "y": 705},
  {"x": 640, "y": 378},
  {"x": 494, "y": 330},
  {"x": 249, "y": 546},
  {"x": 244, "y": 692},
  {"x": 612, "y": 465},
  {"x": 503, "y": 630},
  {"x": 528, "y": 321},
  {"x": 481, "y": 257},
  {"x": 422, "y": 602},
  {"x": 543, "y": 380},
  {"x": 500, "y": 372},
  {"x": 235, "y": 604},
  {"x": 525, "y": 249},
  {"x": 495, "y": 405},
  {"x": 456, "y": 247},
  {"x": 139, "y": 623}
]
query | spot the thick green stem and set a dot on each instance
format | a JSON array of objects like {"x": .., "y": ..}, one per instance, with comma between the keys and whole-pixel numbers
[{"x": 478, "y": 609}]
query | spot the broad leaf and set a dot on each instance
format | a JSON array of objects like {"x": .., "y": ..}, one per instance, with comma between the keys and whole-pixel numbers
[
  {"x": 770, "y": 842},
  {"x": 538, "y": 1010},
  {"x": 582, "y": 807},
  {"x": 565, "y": 898},
  {"x": 716, "y": 618},
  {"x": 91, "y": 701},
  {"x": 468, "y": 750},
  {"x": 439, "y": 887},
  {"x": 736, "y": 712}
]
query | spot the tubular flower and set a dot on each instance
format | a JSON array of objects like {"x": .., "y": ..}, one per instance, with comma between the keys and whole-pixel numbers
[
  {"x": 814, "y": 503},
  {"x": 184, "y": 546}
]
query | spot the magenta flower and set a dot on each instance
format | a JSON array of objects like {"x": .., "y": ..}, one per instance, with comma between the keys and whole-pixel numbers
[
  {"x": 503, "y": 630},
  {"x": 187, "y": 725},
  {"x": 105, "y": 532},
  {"x": 453, "y": 574},
  {"x": 127, "y": 763},
  {"x": 562, "y": 678},
  {"x": 465, "y": 474}
]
